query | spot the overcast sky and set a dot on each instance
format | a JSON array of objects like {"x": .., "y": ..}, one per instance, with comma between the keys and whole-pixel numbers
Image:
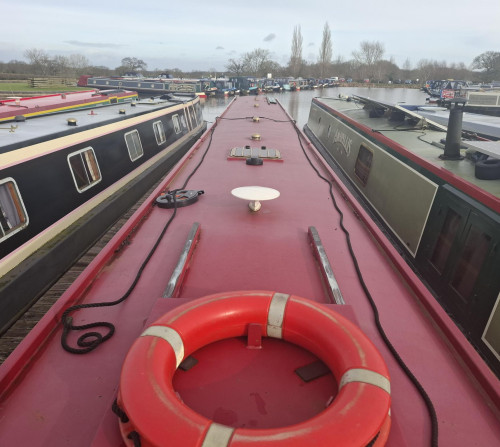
[{"x": 192, "y": 34}]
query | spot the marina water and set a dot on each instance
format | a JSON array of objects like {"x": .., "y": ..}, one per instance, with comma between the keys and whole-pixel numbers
[{"x": 298, "y": 104}]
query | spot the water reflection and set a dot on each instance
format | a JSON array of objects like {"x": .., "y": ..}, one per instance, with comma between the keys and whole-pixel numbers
[
  {"x": 297, "y": 104},
  {"x": 213, "y": 107}
]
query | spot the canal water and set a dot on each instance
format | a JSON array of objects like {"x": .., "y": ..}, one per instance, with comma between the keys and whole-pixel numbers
[{"x": 298, "y": 104}]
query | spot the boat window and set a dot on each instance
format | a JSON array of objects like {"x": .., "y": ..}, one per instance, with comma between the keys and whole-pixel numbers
[
  {"x": 134, "y": 145},
  {"x": 177, "y": 126},
  {"x": 189, "y": 118},
  {"x": 183, "y": 120},
  {"x": 84, "y": 168},
  {"x": 445, "y": 240},
  {"x": 193, "y": 115},
  {"x": 159, "y": 132},
  {"x": 363, "y": 164},
  {"x": 471, "y": 261},
  {"x": 13, "y": 217}
]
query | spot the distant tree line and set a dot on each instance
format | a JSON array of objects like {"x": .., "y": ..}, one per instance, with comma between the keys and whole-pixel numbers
[{"x": 367, "y": 63}]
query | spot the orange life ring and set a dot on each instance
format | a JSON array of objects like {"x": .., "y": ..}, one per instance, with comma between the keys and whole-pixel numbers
[{"x": 358, "y": 416}]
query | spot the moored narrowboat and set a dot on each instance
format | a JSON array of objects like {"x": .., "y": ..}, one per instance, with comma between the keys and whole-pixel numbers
[
  {"x": 66, "y": 177},
  {"x": 436, "y": 192},
  {"x": 19, "y": 108},
  {"x": 155, "y": 86},
  {"x": 250, "y": 301},
  {"x": 484, "y": 102}
]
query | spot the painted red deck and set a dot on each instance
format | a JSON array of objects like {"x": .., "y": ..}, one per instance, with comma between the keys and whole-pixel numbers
[
  {"x": 51, "y": 397},
  {"x": 44, "y": 104}
]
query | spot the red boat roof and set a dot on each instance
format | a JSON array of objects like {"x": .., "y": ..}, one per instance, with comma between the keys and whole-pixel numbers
[
  {"x": 52, "y": 397},
  {"x": 34, "y": 106}
]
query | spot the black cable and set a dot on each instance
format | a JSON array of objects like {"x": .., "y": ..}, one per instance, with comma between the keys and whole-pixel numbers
[
  {"x": 402, "y": 364},
  {"x": 91, "y": 340},
  {"x": 392, "y": 349}
]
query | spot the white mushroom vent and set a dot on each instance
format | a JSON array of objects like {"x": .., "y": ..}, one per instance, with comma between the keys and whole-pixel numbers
[{"x": 255, "y": 194}]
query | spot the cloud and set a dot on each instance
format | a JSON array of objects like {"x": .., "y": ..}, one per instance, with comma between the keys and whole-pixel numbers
[
  {"x": 311, "y": 44},
  {"x": 270, "y": 37},
  {"x": 93, "y": 44},
  {"x": 219, "y": 48}
]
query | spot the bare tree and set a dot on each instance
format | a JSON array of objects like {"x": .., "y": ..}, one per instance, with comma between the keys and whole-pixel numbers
[
  {"x": 133, "y": 64},
  {"x": 296, "y": 57},
  {"x": 406, "y": 70},
  {"x": 235, "y": 67},
  {"x": 325, "y": 51},
  {"x": 78, "y": 62},
  {"x": 489, "y": 62},
  {"x": 59, "y": 65},
  {"x": 257, "y": 62},
  {"x": 370, "y": 53},
  {"x": 39, "y": 60}
]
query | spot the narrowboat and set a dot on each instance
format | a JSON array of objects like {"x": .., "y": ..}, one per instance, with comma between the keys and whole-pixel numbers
[
  {"x": 482, "y": 125},
  {"x": 155, "y": 86},
  {"x": 435, "y": 190},
  {"x": 65, "y": 177},
  {"x": 245, "y": 85},
  {"x": 483, "y": 102},
  {"x": 18, "y": 108},
  {"x": 224, "y": 87},
  {"x": 249, "y": 301},
  {"x": 446, "y": 88}
]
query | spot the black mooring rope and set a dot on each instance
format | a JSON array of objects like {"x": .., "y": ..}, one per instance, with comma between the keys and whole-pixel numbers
[{"x": 91, "y": 340}]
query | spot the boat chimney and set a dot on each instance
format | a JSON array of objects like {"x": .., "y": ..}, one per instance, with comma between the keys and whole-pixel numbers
[{"x": 454, "y": 132}]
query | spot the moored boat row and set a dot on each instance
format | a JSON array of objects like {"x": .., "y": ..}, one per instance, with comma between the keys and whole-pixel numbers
[{"x": 205, "y": 88}]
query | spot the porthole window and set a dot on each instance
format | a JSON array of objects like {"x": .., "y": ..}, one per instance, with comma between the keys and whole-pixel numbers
[
  {"x": 134, "y": 146},
  {"x": 159, "y": 132},
  {"x": 13, "y": 216},
  {"x": 84, "y": 169},
  {"x": 363, "y": 164},
  {"x": 177, "y": 125}
]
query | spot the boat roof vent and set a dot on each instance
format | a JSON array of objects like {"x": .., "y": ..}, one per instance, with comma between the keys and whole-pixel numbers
[
  {"x": 255, "y": 152},
  {"x": 255, "y": 194}
]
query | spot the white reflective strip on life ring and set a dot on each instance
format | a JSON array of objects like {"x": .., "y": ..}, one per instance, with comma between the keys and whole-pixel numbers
[
  {"x": 366, "y": 376},
  {"x": 217, "y": 436},
  {"x": 276, "y": 315},
  {"x": 169, "y": 335}
]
